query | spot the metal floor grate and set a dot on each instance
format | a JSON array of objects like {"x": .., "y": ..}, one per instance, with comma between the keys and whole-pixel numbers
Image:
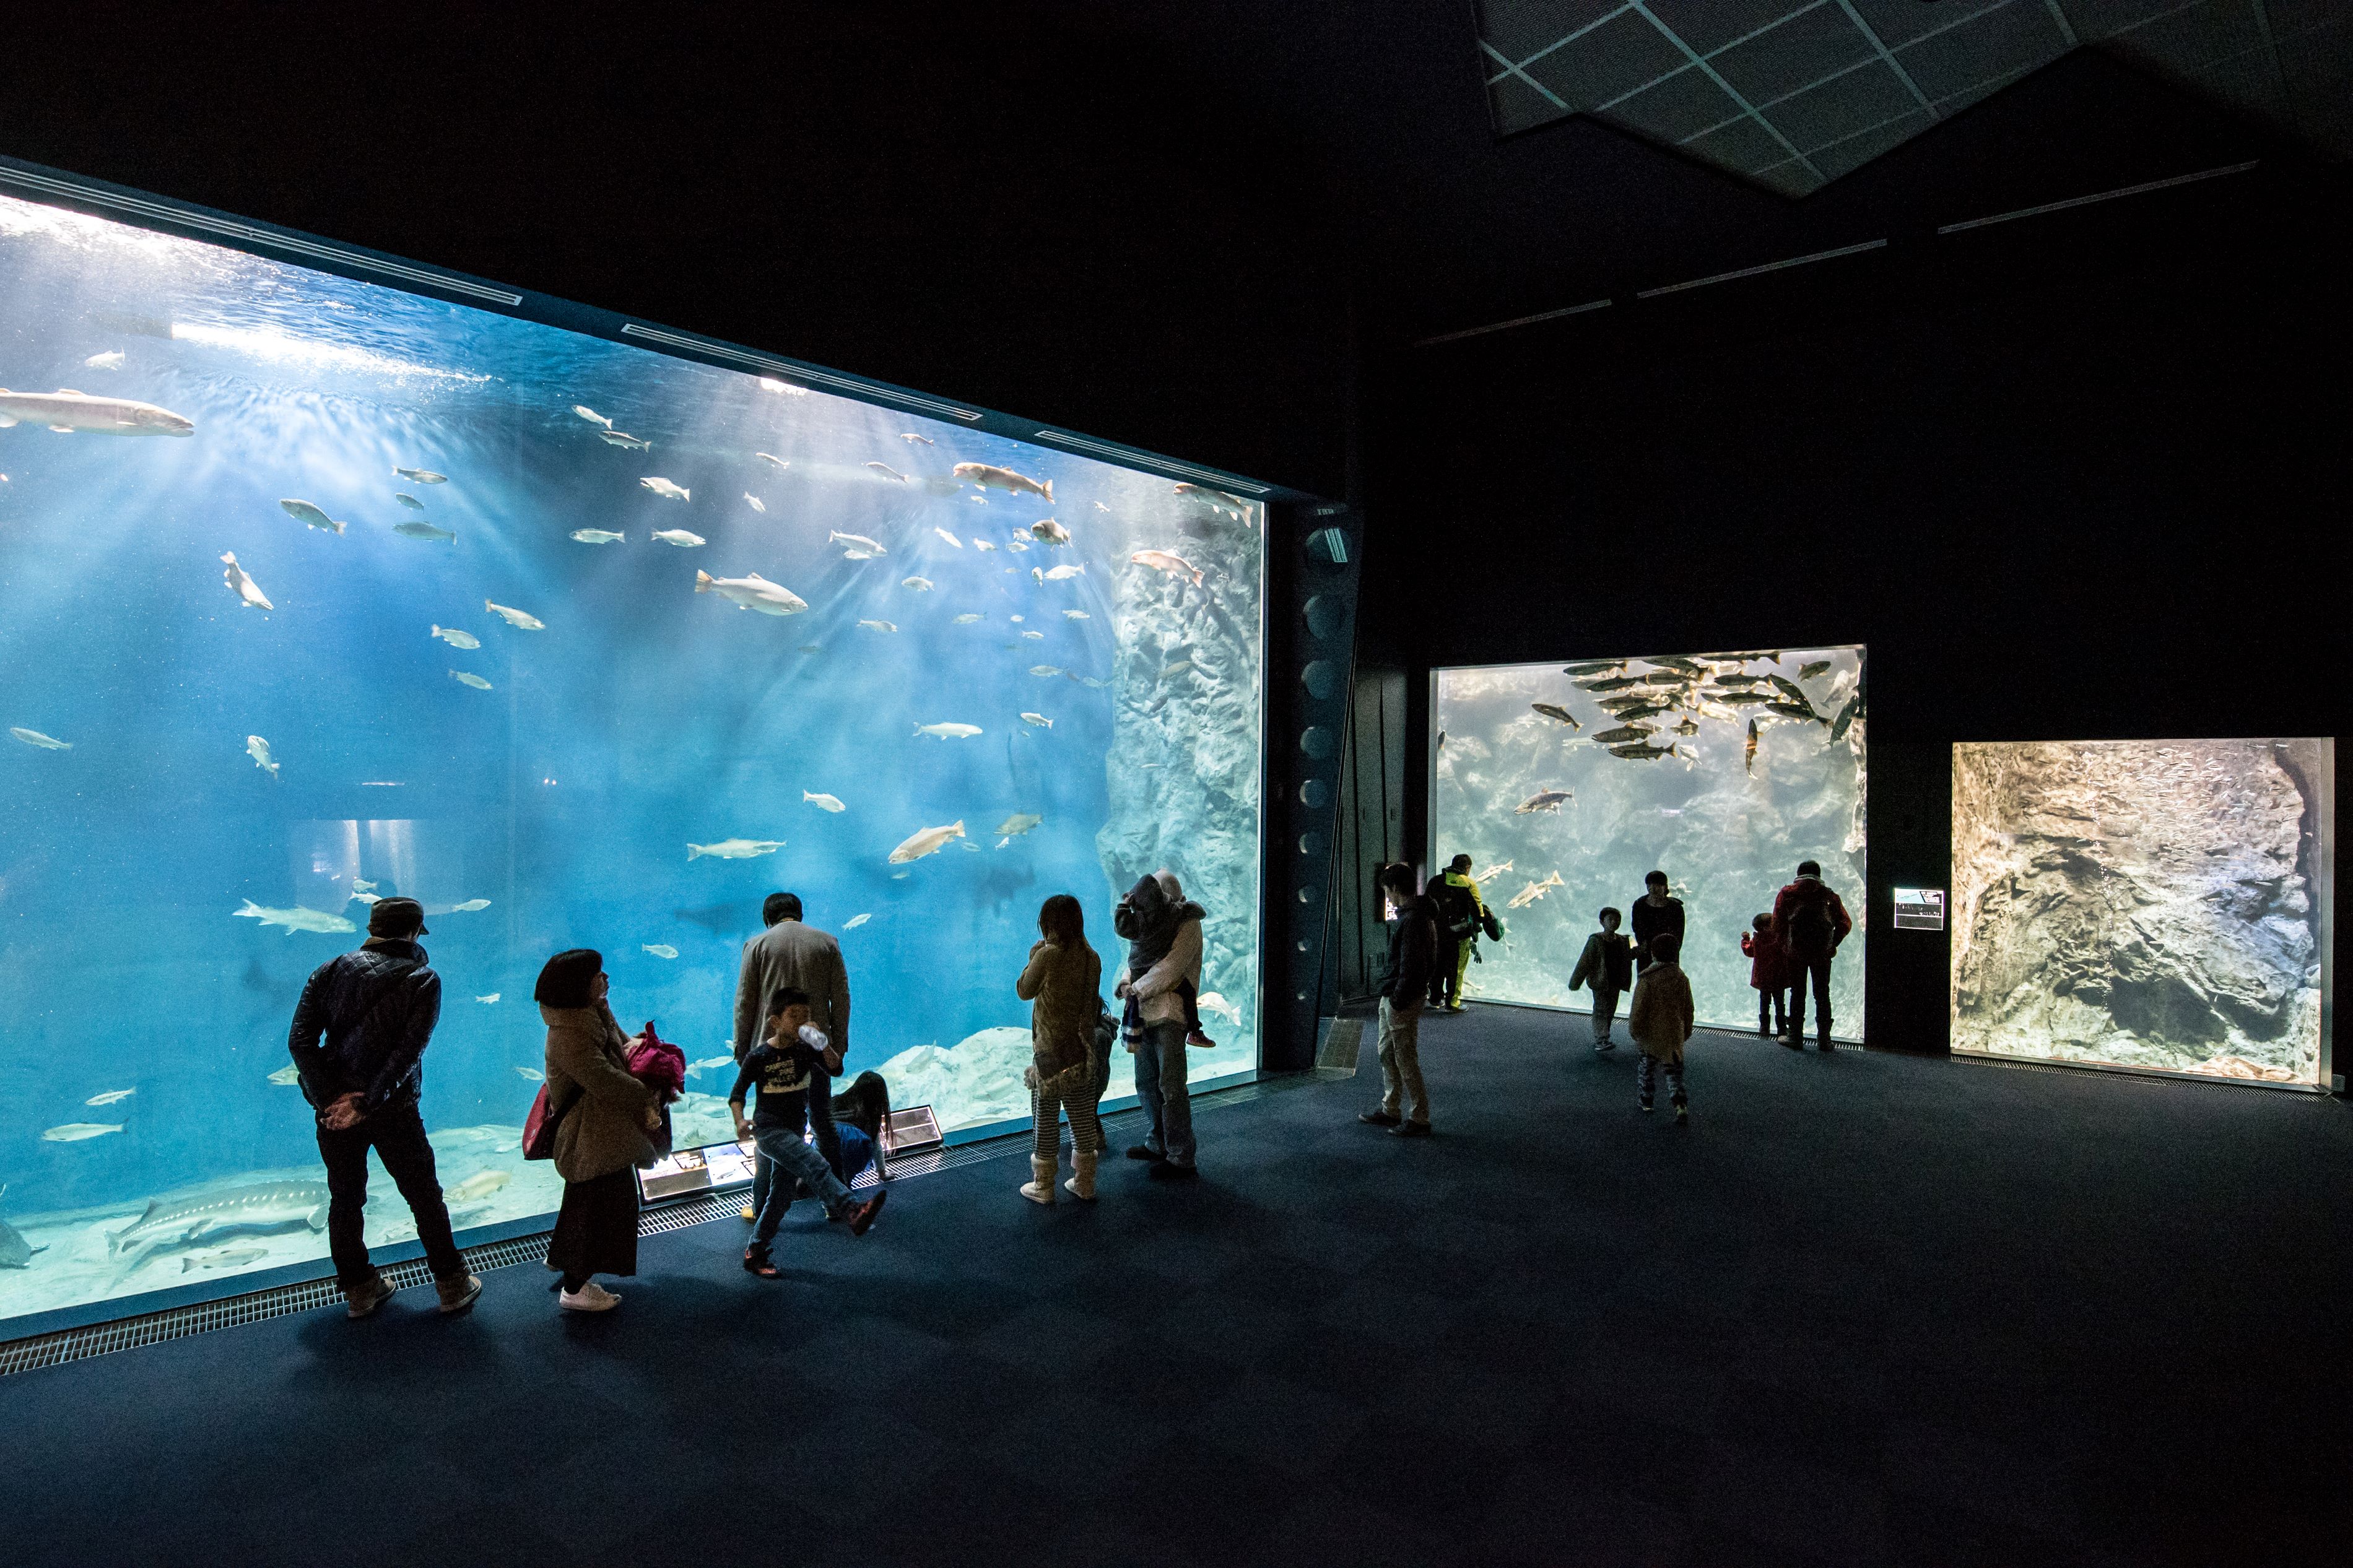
[{"x": 179, "y": 1323}]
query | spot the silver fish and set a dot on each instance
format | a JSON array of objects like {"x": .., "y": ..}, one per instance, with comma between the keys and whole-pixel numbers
[
  {"x": 309, "y": 516},
  {"x": 77, "y": 1131},
  {"x": 34, "y": 737},
  {"x": 417, "y": 528},
  {"x": 468, "y": 678},
  {"x": 225, "y": 1257},
  {"x": 410, "y": 501},
  {"x": 179, "y": 1219},
  {"x": 67, "y": 411},
  {"x": 422, "y": 476},
  {"x": 457, "y": 638},
  {"x": 623, "y": 439}
]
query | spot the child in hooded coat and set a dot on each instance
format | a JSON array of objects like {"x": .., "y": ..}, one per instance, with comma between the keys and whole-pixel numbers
[{"x": 1661, "y": 1021}]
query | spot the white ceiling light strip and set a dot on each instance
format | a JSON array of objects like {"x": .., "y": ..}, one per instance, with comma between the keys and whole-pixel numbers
[
  {"x": 750, "y": 361},
  {"x": 1514, "y": 321},
  {"x": 248, "y": 235},
  {"x": 1130, "y": 457},
  {"x": 1768, "y": 267},
  {"x": 2102, "y": 196}
]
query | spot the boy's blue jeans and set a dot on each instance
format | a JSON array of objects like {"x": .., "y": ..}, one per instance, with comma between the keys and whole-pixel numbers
[{"x": 790, "y": 1158}]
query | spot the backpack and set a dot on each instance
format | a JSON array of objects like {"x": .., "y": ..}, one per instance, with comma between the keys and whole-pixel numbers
[
  {"x": 1808, "y": 936},
  {"x": 1450, "y": 903}
]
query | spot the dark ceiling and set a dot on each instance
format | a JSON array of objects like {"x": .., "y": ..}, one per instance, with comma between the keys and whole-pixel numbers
[{"x": 1183, "y": 226}]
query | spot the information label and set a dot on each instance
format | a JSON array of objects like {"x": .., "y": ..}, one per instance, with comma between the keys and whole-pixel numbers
[{"x": 1919, "y": 909}]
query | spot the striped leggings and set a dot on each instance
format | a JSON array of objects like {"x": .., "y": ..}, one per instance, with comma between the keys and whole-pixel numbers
[
  {"x": 1046, "y": 1108},
  {"x": 1644, "y": 1079}
]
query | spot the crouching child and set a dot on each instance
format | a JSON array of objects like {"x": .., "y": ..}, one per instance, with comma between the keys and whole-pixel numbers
[
  {"x": 1661, "y": 1021},
  {"x": 780, "y": 1067}
]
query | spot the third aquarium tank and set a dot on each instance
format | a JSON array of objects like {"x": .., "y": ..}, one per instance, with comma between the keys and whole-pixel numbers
[
  {"x": 2161, "y": 905},
  {"x": 320, "y": 592},
  {"x": 1567, "y": 784}
]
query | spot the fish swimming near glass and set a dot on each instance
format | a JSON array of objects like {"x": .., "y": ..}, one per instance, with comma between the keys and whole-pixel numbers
[
  {"x": 751, "y": 591},
  {"x": 856, "y": 542},
  {"x": 948, "y": 732},
  {"x": 317, "y": 921},
  {"x": 925, "y": 841},
  {"x": 480, "y": 1184},
  {"x": 989, "y": 476},
  {"x": 181, "y": 1219},
  {"x": 1546, "y": 799},
  {"x": 660, "y": 949},
  {"x": 79, "y": 1132},
  {"x": 417, "y": 528},
  {"x": 624, "y": 440},
  {"x": 410, "y": 501},
  {"x": 734, "y": 848},
  {"x": 67, "y": 411},
  {"x": 422, "y": 476},
  {"x": 665, "y": 489},
  {"x": 521, "y": 620},
  {"x": 457, "y": 638},
  {"x": 112, "y": 1096},
  {"x": 598, "y": 536},
  {"x": 854, "y": 922},
  {"x": 34, "y": 737},
  {"x": 1049, "y": 531},
  {"x": 248, "y": 590},
  {"x": 1554, "y": 710},
  {"x": 311, "y": 516},
  {"x": 225, "y": 1257},
  {"x": 1164, "y": 561},
  {"x": 679, "y": 537},
  {"x": 468, "y": 678},
  {"x": 888, "y": 469}
]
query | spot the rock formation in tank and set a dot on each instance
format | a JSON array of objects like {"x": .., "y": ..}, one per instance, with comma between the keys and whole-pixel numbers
[{"x": 2148, "y": 904}]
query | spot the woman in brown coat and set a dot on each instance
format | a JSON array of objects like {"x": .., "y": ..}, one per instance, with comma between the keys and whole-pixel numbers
[
  {"x": 604, "y": 1120},
  {"x": 1063, "y": 983}
]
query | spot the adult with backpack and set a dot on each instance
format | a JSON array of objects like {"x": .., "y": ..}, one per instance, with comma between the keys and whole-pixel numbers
[
  {"x": 1458, "y": 912},
  {"x": 375, "y": 1009},
  {"x": 1808, "y": 925}
]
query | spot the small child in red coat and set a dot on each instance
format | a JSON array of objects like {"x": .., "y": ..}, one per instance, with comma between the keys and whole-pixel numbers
[{"x": 1764, "y": 955}]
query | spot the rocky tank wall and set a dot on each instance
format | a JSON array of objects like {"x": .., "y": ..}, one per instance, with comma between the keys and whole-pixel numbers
[{"x": 2142, "y": 903}]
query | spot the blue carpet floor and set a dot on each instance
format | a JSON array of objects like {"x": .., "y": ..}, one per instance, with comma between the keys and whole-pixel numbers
[{"x": 1865, "y": 1309}]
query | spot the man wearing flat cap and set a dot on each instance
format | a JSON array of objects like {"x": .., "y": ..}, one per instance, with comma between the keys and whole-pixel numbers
[{"x": 376, "y": 1008}]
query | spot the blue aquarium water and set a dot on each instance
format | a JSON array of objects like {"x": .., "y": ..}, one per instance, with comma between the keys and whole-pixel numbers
[
  {"x": 491, "y": 640},
  {"x": 1567, "y": 784}
]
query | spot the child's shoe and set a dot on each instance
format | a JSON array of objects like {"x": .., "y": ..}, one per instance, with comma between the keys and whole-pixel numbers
[
  {"x": 1196, "y": 1038},
  {"x": 1682, "y": 1114},
  {"x": 757, "y": 1262}
]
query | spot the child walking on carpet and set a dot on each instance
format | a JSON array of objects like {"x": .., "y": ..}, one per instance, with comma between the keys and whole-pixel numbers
[{"x": 1661, "y": 1021}]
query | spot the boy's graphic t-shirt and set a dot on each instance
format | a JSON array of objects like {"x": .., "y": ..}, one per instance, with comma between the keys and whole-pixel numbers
[{"x": 781, "y": 1076}]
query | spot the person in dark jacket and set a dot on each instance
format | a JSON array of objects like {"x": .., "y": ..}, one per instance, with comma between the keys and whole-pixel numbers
[
  {"x": 1655, "y": 912},
  {"x": 1809, "y": 925},
  {"x": 1607, "y": 968},
  {"x": 1405, "y": 989},
  {"x": 375, "y": 1009},
  {"x": 1456, "y": 909},
  {"x": 781, "y": 1070}
]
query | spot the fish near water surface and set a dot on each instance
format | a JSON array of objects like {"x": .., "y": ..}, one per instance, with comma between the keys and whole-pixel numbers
[
  {"x": 987, "y": 476},
  {"x": 67, "y": 412}
]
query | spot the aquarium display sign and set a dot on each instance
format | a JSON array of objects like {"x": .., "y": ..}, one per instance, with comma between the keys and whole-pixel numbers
[
  {"x": 2160, "y": 905},
  {"x": 320, "y": 592},
  {"x": 1567, "y": 784}
]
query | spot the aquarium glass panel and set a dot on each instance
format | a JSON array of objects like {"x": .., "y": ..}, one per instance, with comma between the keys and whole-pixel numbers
[
  {"x": 2150, "y": 904},
  {"x": 580, "y": 644},
  {"x": 1567, "y": 784}
]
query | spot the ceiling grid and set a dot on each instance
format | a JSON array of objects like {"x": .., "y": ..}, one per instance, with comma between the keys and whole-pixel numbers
[{"x": 1791, "y": 94}]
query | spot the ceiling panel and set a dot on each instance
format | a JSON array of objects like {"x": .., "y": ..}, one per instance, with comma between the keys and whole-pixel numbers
[{"x": 1793, "y": 93}]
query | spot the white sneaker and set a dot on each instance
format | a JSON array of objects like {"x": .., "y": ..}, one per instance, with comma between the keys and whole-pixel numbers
[{"x": 590, "y": 1298}]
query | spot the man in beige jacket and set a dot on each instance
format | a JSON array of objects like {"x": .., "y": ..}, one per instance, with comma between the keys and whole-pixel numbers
[{"x": 791, "y": 954}]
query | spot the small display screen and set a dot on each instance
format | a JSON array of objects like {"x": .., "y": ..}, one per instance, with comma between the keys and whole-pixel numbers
[{"x": 1919, "y": 909}]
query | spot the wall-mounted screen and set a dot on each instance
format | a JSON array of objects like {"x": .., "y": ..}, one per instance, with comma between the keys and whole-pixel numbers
[
  {"x": 1568, "y": 784},
  {"x": 320, "y": 592},
  {"x": 2161, "y": 905}
]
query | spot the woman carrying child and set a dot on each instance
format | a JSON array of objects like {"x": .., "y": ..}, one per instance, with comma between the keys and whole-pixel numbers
[
  {"x": 606, "y": 1120},
  {"x": 1063, "y": 984}
]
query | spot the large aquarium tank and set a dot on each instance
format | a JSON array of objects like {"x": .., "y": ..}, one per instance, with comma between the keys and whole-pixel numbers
[
  {"x": 320, "y": 592},
  {"x": 1567, "y": 784},
  {"x": 2156, "y": 905}
]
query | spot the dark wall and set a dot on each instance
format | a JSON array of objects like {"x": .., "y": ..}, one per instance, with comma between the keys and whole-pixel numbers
[
  {"x": 2075, "y": 477},
  {"x": 1056, "y": 209}
]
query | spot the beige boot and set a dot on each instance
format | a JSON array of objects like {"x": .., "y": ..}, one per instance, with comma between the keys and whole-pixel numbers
[
  {"x": 1040, "y": 1188},
  {"x": 1081, "y": 1184}
]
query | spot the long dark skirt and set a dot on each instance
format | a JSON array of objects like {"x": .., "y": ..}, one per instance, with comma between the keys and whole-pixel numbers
[{"x": 597, "y": 1229}]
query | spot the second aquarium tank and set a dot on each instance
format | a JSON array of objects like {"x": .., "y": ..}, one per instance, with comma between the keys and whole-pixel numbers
[
  {"x": 1568, "y": 784},
  {"x": 321, "y": 591}
]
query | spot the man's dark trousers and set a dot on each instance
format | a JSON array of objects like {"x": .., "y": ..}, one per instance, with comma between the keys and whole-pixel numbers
[
  {"x": 1819, "y": 968},
  {"x": 396, "y": 1133}
]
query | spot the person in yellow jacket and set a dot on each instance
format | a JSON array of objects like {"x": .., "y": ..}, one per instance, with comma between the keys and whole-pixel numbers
[{"x": 1455, "y": 901}]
